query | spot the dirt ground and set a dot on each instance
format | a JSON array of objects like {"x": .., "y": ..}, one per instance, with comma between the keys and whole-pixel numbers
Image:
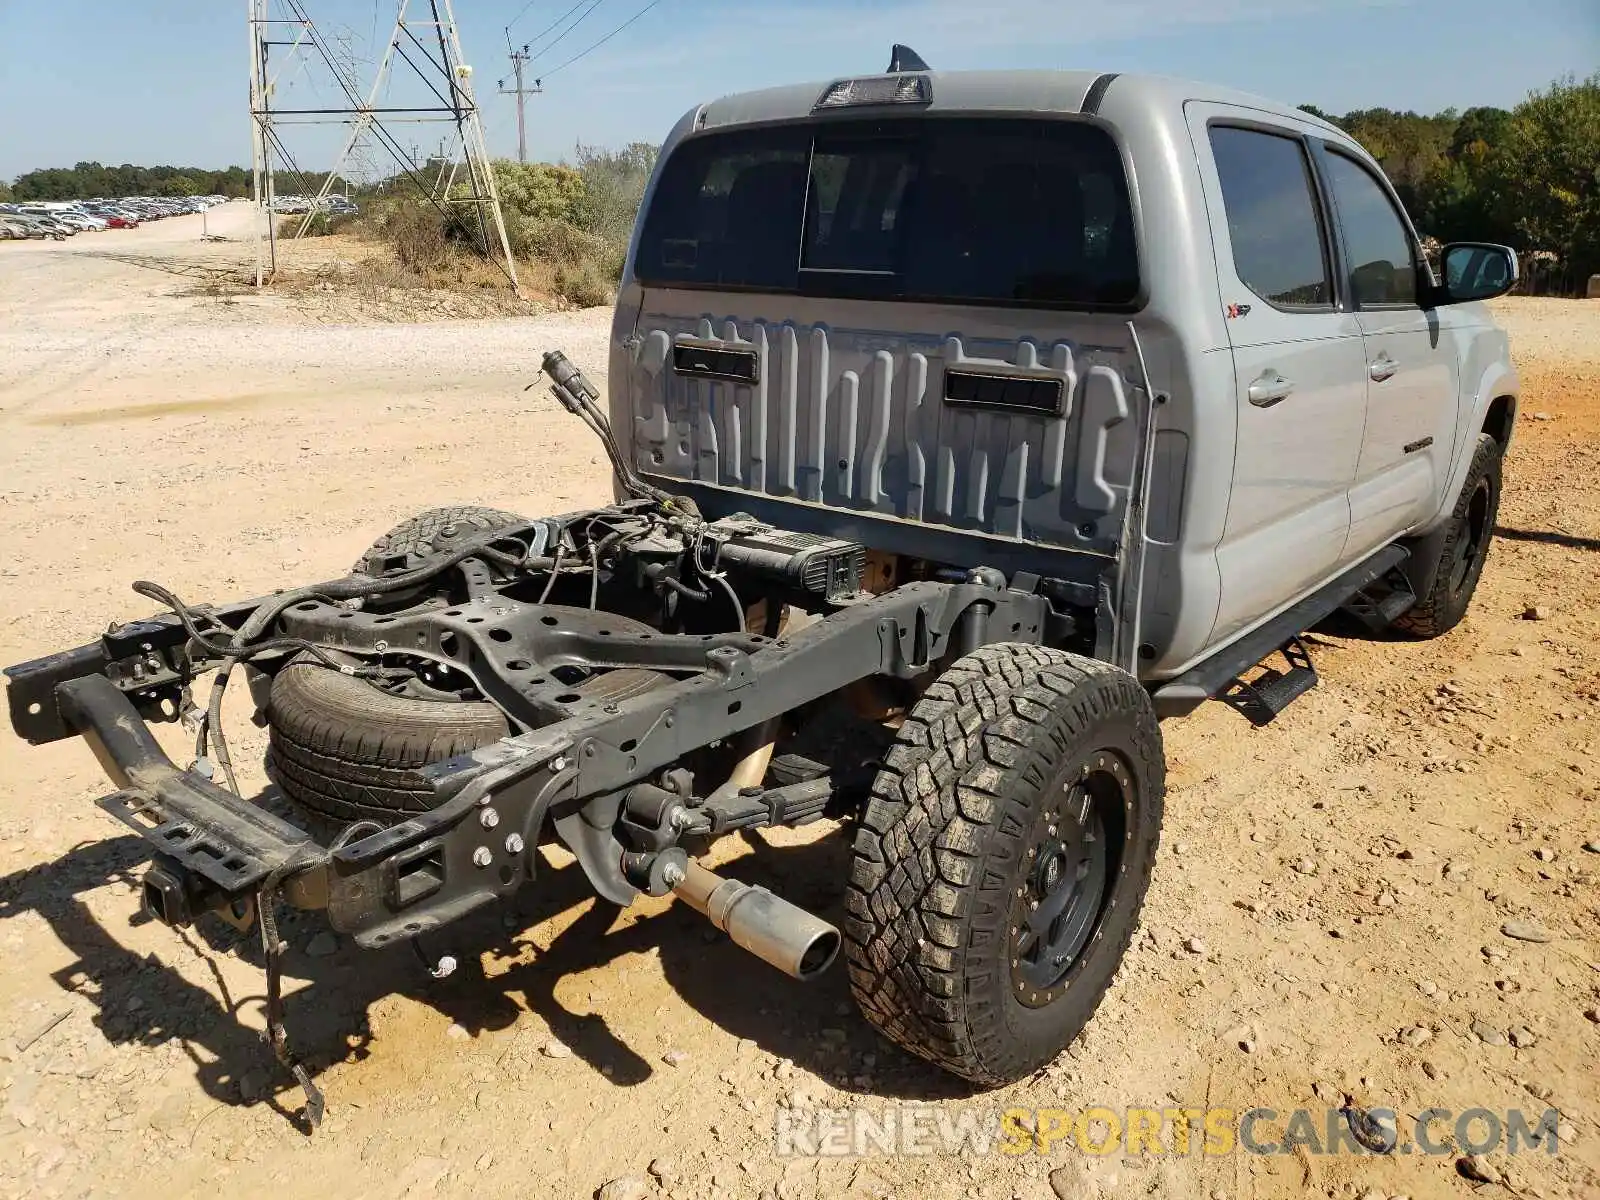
[{"x": 1325, "y": 924}]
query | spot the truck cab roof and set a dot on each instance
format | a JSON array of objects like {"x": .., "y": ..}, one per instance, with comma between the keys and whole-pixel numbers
[{"x": 1070, "y": 93}]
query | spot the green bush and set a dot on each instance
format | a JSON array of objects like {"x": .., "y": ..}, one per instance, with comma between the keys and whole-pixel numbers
[
  {"x": 613, "y": 189},
  {"x": 576, "y": 220},
  {"x": 538, "y": 191},
  {"x": 557, "y": 242},
  {"x": 417, "y": 233},
  {"x": 321, "y": 224},
  {"x": 583, "y": 285}
]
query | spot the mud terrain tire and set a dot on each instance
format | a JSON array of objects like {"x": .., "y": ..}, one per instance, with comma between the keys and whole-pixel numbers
[
  {"x": 1465, "y": 549},
  {"x": 1017, "y": 758},
  {"x": 436, "y": 532}
]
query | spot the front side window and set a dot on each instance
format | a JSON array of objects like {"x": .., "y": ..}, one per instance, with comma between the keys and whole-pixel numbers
[
  {"x": 1279, "y": 249},
  {"x": 1383, "y": 269},
  {"x": 930, "y": 208}
]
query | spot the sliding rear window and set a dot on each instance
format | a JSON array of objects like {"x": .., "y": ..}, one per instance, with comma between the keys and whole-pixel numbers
[{"x": 940, "y": 209}]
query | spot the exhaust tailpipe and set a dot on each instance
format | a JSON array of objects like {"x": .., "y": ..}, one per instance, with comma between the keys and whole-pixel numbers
[{"x": 798, "y": 943}]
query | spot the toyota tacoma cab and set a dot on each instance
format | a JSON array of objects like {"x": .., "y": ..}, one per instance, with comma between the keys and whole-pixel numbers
[{"x": 1000, "y": 414}]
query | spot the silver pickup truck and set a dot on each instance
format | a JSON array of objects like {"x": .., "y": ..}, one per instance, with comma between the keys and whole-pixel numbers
[{"x": 990, "y": 417}]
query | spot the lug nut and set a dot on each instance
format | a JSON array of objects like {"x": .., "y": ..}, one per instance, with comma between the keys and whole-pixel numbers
[
  {"x": 514, "y": 843},
  {"x": 488, "y": 818},
  {"x": 482, "y": 856}
]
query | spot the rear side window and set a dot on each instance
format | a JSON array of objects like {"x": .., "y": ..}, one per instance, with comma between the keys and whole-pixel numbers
[
  {"x": 1383, "y": 267},
  {"x": 941, "y": 209},
  {"x": 1279, "y": 247}
]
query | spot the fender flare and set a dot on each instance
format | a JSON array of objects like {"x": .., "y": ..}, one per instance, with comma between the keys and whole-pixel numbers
[{"x": 1498, "y": 379}]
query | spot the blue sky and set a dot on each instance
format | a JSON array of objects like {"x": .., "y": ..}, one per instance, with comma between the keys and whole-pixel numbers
[{"x": 166, "y": 81}]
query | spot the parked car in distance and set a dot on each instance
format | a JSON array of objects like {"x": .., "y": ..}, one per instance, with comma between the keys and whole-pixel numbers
[
  {"x": 43, "y": 227},
  {"x": 82, "y": 221},
  {"x": 66, "y": 218}
]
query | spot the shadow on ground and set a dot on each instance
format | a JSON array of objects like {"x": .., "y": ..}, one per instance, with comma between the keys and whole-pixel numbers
[
  {"x": 142, "y": 1000},
  {"x": 1549, "y": 537}
]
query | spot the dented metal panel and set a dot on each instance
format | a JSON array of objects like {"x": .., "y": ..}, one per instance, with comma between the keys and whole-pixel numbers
[{"x": 858, "y": 419}]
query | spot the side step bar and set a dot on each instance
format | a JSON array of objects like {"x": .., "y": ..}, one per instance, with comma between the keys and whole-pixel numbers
[
  {"x": 1261, "y": 699},
  {"x": 1378, "y": 604},
  {"x": 1219, "y": 674}
]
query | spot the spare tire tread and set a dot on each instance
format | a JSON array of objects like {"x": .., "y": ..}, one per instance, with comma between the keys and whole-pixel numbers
[
  {"x": 417, "y": 537},
  {"x": 348, "y": 750}
]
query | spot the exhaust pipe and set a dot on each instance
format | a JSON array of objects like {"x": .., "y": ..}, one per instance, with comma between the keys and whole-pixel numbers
[{"x": 798, "y": 943}]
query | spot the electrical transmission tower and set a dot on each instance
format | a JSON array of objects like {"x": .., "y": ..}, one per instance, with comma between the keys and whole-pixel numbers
[
  {"x": 519, "y": 59},
  {"x": 420, "y": 77}
]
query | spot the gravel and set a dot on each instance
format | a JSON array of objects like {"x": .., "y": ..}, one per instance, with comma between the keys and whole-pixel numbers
[
  {"x": 1488, "y": 1034},
  {"x": 1526, "y": 931}
]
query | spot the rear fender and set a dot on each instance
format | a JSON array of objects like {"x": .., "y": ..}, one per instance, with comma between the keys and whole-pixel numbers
[
  {"x": 1495, "y": 378},
  {"x": 1498, "y": 378}
]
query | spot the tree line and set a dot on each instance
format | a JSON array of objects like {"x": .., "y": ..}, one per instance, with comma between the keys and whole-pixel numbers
[
  {"x": 1528, "y": 177},
  {"x": 90, "y": 179}
]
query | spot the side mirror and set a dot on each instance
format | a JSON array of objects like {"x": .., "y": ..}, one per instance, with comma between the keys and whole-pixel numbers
[{"x": 1475, "y": 271}]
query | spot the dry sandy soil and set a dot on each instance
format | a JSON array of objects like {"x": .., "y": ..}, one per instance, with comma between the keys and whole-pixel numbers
[{"x": 1325, "y": 922}]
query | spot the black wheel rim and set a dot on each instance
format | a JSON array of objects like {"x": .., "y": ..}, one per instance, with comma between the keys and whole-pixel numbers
[
  {"x": 1071, "y": 864},
  {"x": 1471, "y": 538}
]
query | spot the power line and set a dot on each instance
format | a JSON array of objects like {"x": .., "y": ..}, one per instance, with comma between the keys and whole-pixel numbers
[
  {"x": 602, "y": 41},
  {"x": 519, "y": 15},
  {"x": 548, "y": 27},
  {"x": 555, "y": 41}
]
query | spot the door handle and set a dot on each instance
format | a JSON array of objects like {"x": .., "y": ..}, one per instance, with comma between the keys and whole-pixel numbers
[
  {"x": 1269, "y": 388},
  {"x": 1383, "y": 367}
]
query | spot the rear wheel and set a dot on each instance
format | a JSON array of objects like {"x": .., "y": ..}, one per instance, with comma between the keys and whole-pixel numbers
[
  {"x": 1003, "y": 858},
  {"x": 1465, "y": 549}
]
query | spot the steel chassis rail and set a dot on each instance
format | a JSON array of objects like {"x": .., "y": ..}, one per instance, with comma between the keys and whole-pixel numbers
[{"x": 477, "y": 843}]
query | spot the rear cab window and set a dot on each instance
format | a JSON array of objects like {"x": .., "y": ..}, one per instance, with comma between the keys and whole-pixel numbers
[
  {"x": 1280, "y": 248},
  {"x": 1029, "y": 212}
]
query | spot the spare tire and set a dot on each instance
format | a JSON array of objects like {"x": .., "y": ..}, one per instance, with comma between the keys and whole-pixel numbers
[
  {"x": 436, "y": 531},
  {"x": 349, "y": 751}
]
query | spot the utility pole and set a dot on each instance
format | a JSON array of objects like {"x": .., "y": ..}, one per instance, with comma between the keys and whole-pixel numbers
[{"x": 519, "y": 59}]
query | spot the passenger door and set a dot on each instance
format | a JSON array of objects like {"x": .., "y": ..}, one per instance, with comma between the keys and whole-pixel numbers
[
  {"x": 1411, "y": 361},
  {"x": 1299, "y": 365}
]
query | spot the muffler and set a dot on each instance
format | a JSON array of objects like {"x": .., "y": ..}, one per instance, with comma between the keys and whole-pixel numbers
[{"x": 798, "y": 943}]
